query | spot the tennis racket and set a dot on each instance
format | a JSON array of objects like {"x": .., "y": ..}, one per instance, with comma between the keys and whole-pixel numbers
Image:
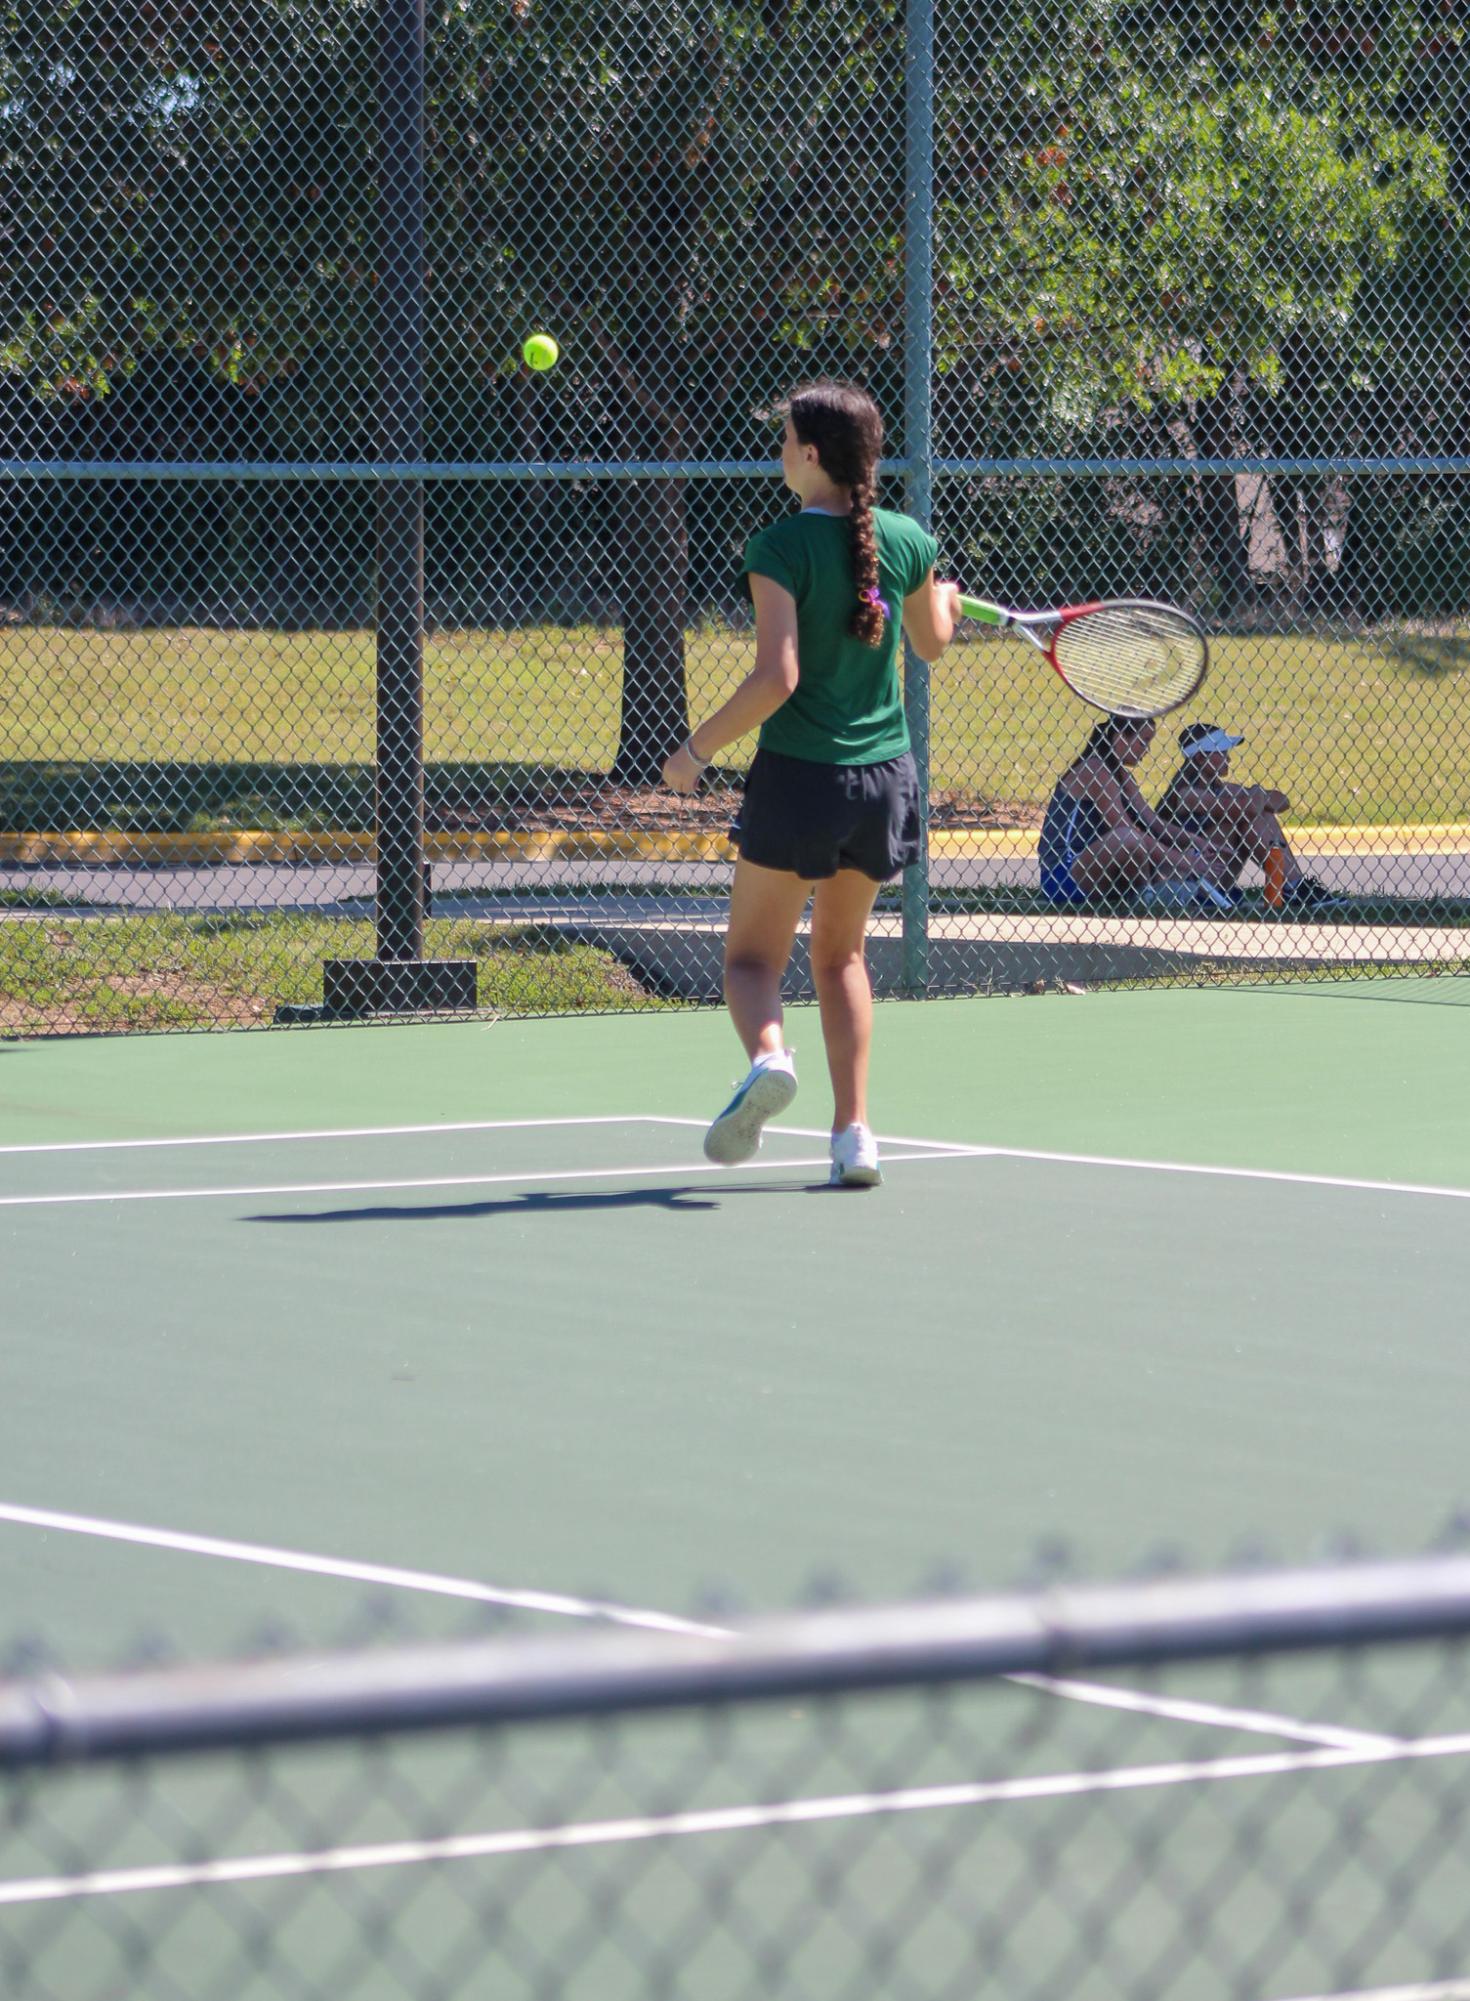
[{"x": 1126, "y": 655}]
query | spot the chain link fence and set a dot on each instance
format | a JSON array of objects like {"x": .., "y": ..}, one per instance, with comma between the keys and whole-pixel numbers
[
  {"x": 1251, "y": 1786},
  {"x": 1157, "y": 300}
]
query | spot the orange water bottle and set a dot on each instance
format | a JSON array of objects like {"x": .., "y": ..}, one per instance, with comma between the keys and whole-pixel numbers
[{"x": 1275, "y": 878}]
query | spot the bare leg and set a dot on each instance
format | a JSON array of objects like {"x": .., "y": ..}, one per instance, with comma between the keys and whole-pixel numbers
[
  {"x": 840, "y": 913},
  {"x": 765, "y": 909},
  {"x": 1222, "y": 858},
  {"x": 1248, "y": 838},
  {"x": 1119, "y": 862},
  {"x": 1268, "y": 834}
]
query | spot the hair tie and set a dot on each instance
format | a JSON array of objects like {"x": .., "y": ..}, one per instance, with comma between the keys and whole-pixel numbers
[{"x": 873, "y": 598}]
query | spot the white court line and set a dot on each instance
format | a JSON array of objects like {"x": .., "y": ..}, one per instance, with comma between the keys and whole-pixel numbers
[
  {"x": 335, "y": 1132},
  {"x": 1179, "y": 1709},
  {"x": 525, "y": 1178},
  {"x": 358, "y": 1573},
  {"x": 942, "y": 1147},
  {"x": 718, "y": 1820},
  {"x": 934, "y": 1156},
  {"x": 1167, "y": 1708},
  {"x": 1228, "y": 1173},
  {"x": 936, "y": 1148},
  {"x": 1422, "y": 1990}
]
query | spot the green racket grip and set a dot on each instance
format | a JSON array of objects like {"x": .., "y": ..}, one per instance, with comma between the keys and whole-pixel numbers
[{"x": 983, "y": 613}]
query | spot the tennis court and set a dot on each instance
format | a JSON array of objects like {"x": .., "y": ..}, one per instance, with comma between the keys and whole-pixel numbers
[
  {"x": 466, "y": 1300},
  {"x": 441, "y": 1318}
]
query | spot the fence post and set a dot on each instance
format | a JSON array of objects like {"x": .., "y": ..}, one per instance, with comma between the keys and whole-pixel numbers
[
  {"x": 918, "y": 206},
  {"x": 399, "y": 979},
  {"x": 400, "y": 596}
]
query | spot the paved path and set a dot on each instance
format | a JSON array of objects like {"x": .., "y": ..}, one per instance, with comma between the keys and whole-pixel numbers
[{"x": 483, "y": 888}]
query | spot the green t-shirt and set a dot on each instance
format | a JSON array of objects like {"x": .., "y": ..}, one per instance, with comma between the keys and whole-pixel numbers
[{"x": 848, "y": 705}]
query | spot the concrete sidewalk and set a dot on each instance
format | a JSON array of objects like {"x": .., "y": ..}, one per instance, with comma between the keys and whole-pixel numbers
[{"x": 681, "y": 954}]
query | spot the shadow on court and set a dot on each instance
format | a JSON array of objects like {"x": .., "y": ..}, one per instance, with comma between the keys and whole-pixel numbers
[{"x": 679, "y": 1201}]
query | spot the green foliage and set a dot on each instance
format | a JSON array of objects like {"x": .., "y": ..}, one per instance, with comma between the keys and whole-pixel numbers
[
  {"x": 1194, "y": 228},
  {"x": 647, "y": 178},
  {"x": 1164, "y": 234}
]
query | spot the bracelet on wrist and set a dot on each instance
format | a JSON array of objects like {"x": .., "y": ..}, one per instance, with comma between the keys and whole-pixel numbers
[{"x": 702, "y": 762}]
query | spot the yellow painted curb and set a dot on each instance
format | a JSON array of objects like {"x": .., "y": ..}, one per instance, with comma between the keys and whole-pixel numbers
[
  {"x": 162, "y": 850},
  {"x": 1450, "y": 837},
  {"x": 569, "y": 844}
]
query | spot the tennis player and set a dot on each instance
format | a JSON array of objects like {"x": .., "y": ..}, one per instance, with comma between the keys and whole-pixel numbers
[{"x": 831, "y": 800}]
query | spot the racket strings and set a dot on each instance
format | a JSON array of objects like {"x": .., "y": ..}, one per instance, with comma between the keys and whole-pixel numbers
[{"x": 1133, "y": 659}]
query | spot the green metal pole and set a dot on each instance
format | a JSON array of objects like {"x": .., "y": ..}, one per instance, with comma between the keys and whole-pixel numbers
[
  {"x": 918, "y": 432},
  {"x": 400, "y": 622}
]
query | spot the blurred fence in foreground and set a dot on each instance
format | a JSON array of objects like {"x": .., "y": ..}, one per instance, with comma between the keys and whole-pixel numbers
[{"x": 1251, "y": 1787}]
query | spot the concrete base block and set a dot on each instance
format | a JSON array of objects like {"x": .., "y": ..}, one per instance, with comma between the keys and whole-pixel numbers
[{"x": 398, "y": 986}]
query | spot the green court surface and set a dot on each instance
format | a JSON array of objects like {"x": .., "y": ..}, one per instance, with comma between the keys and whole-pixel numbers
[
  {"x": 465, "y": 1301},
  {"x": 457, "y": 1316}
]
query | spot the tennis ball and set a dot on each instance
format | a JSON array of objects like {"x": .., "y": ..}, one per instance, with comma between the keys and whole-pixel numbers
[{"x": 540, "y": 351}]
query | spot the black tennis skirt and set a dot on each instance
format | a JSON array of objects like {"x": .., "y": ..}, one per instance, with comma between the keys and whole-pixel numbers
[{"x": 812, "y": 819}]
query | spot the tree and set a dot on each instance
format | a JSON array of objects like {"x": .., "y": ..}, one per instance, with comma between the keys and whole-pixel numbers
[
  {"x": 653, "y": 181},
  {"x": 656, "y": 179},
  {"x": 1205, "y": 231}
]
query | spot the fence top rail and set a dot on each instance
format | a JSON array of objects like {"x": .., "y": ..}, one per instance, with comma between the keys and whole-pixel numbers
[
  {"x": 359, "y": 470},
  {"x": 53, "y": 1720},
  {"x": 350, "y": 470}
]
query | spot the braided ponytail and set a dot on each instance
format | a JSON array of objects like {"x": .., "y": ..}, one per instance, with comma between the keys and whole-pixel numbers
[
  {"x": 842, "y": 422},
  {"x": 871, "y": 612}
]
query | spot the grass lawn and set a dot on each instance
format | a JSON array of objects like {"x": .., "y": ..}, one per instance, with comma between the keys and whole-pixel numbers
[
  {"x": 204, "y": 972},
  {"x": 178, "y": 730}
]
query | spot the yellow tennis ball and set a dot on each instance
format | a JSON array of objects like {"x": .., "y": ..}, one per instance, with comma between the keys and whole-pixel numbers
[{"x": 540, "y": 351}]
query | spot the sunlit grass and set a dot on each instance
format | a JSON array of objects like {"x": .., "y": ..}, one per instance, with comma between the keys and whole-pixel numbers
[
  {"x": 194, "y": 972},
  {"x": 1356, "y": 731}
]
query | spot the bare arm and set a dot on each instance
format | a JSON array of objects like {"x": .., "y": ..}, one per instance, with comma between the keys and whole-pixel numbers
[
  {"x": 1231, "y": 805},
  {"x": 1261, "y": 798},
  {"x": 1091, "y": 780},
  {"x": 930, "y": 615},
  {"x": 1121, "y": 804},
  {"x": 1137, "y": 809},
  {"x": 770, "y": 682}
]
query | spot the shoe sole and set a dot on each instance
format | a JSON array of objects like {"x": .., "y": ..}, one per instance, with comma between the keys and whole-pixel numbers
[
  {"x": 736, "y": 1134},
  {"x": 856, "y": 1177}
]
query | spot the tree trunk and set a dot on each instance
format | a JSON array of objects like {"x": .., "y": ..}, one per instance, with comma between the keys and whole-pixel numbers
[
  {"x": 653, "y": 550},
  {"x": 1226, "y": 550}
]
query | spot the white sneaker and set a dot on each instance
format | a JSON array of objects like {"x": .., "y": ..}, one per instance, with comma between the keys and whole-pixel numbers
[
  {"x": 1192, "y": 895},
  {"x": 854, "y": 1159},
  {"x": 1210, "y": 896},
  {"x": 768, "y": 1088}
]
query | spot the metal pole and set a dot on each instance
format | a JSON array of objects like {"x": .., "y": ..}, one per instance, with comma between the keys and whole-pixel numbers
[
  {"x": 918, "y": 433},
  {"x": 1249, "y": 1617},
  {"x": 400, "y": 617},
  {"x": 399, "y": 979}
]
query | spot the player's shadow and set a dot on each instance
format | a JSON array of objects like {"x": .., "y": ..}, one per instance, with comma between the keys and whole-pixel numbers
[{"x": 679, "y": 1201}]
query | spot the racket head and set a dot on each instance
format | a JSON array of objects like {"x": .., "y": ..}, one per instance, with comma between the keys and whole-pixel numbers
[{"x": 1130, "y": 656}]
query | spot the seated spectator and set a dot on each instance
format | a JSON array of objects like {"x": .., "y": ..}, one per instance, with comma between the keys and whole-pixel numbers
[
  {"x": 1238, "y": 823},
  {"x": 1101, "y": 841}
]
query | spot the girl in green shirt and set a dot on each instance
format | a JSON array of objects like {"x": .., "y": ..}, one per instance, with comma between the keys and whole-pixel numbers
[{"x": 831, "y": 807}]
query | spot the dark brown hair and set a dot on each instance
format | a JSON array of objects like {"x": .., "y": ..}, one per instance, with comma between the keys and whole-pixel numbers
[
  {"x": 1102, "y": 743},
  {"x": 842, "y": 422}
]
